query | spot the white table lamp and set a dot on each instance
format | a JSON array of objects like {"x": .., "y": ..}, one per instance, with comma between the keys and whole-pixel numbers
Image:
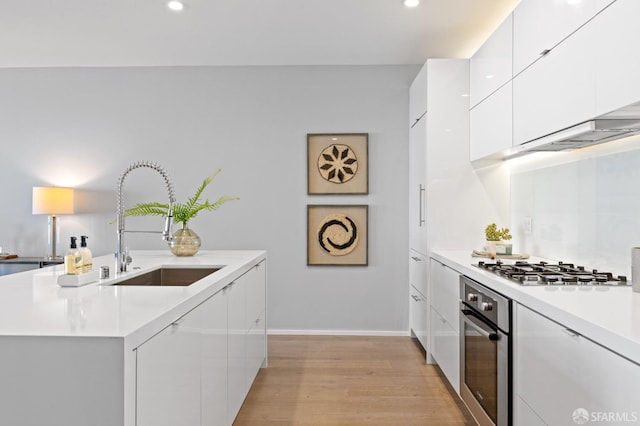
[{"x": 53, "y": 201}]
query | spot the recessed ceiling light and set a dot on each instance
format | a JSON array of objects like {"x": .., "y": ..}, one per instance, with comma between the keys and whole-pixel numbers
[
  {"x": 572, "y": 2},
  {"x": 175, "y": 5},
  {"x": 465, "y": 95},
  {"x": 490, "y": 76},
  {"x": 411, "y": 3}
]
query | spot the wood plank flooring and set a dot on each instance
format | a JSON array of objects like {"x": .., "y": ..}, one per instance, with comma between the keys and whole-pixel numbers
[{"x": 347, "y": 380}]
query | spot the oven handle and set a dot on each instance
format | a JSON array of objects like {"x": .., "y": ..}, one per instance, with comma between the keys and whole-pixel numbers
[{"x": 489, "y": 335}]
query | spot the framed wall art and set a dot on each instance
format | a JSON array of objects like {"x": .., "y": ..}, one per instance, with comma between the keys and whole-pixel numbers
[
  {"x": 337, "y": 163},
  {"x": 337, "y": 235}
]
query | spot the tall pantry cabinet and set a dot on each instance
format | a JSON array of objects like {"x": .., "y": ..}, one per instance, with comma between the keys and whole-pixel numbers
[
  {"x": 439, "y": 145},
  {"x": 449, "y": 202}
]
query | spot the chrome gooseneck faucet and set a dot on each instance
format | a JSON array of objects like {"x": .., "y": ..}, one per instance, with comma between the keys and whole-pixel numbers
[{"x": 122, "y": 255}]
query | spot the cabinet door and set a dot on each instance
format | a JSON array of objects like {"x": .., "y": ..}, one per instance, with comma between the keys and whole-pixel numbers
[
  {"x": 549, "y": 356},
  {"x": 491, "y": 130},
  {"x": 419, "y": 316},
  {"x": 445, "y": 347},
  {"x": 417, "y": 187},
  {"x": 256, "y": 321},
  {"x": 539, "y": 25},
  {"x": 168, "y": 375},
  {"x": 618, "y": 65},
  {"x": 418, "y": 96},
  {"x": 214, "y": 360},
  {"x": 491, "y": 65},
  {"x": 445, "y": 291},
  {"x": 558, "y": 91},
  {"x": 237, "y": 349}
]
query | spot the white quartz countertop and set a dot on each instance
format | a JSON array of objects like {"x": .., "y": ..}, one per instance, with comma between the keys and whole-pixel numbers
[
  {"x": 33, "y": 304},
  {"x": 607, "y": 315}
]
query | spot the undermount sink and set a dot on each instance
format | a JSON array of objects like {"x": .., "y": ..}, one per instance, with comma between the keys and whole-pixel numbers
[{"x": 167, "y": 276}]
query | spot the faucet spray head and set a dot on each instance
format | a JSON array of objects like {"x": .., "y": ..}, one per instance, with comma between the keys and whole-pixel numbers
[{"x": 167, "y": 234}]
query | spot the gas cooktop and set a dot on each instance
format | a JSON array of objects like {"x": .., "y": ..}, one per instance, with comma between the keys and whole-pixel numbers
[{"x": 543, "y": 273}]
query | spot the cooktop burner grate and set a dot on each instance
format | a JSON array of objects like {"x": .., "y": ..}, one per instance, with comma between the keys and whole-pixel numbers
[{"x": 543, "y": 273}]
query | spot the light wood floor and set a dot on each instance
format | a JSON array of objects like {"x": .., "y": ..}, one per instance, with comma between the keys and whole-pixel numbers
[{"x": 345, "y": 380}]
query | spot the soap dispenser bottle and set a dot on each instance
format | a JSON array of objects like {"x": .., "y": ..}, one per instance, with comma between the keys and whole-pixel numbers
[
  {"x": 73, "y": 259},
  {"x": 87, "y": 257}
]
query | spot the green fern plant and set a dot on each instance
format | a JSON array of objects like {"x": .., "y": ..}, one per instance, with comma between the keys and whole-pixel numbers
[{"x": 182, "y": 212}]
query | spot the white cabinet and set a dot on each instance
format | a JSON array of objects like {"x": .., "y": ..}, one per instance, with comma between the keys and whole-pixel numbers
[
  {"x": 418, "y": 304},
  {"x": 213, "y": 384},
  {"x": 419, "y": 316},
  {"x": 418, "y": 187},
  {"x": 558, "y": 90},
  {"x": 247, "y": 334},
  {"x": 255, "y": 322},
  {"x": 198, "y": 370},
  {"x": 445, "y": 291},
  {"x": 444, "y": 320},
  {"x": 445, "y": 347},
  {"x": 418, "y": 270},
  {"x": 558, "y": 371},
  {"x": 540, "y": 25},
  {"x": 490, "y": 66},
  {"x": 490, "y": 94},
  {"x": 618, "y": 64},
  {"x": 418, "y": 96},
  {"x": 491, "y": 130},
  {"x": 169, "y": 367}
]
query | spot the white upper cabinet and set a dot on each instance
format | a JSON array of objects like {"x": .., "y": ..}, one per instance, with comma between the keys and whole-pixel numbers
[
  {"x": 418, "y": 96},
  {"x": 491, "y": 129},
  {"x": 491, "y": 65},
  {"x": 539, "y": 25},
  {"x": 618, "y": 64},
  {"x": 557, "y": 91}
]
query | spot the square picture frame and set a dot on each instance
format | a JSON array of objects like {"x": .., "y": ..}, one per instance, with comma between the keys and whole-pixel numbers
[
  {"x": 337, "y": 163},
  {"x": 337, "y": 235}
]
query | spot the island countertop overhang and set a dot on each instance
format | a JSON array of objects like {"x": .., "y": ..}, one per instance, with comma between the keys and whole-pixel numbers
[{"x": 32, "y": 303}]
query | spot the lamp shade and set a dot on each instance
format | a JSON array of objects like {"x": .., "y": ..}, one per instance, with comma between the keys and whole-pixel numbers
[{"x": 52, "y": 200}]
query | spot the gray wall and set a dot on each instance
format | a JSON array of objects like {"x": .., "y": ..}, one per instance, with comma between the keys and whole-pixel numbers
[{"x": 82, "y": 127}]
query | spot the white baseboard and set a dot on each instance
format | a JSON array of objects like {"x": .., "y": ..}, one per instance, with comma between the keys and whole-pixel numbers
[{"x": 337, "y": 333}]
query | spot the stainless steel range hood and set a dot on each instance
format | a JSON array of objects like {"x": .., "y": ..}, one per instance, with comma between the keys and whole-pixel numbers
[{"x": 615, "y": 125}]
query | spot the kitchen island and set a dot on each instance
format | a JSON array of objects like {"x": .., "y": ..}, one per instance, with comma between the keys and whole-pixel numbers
[{"x": 105, "y": 354}]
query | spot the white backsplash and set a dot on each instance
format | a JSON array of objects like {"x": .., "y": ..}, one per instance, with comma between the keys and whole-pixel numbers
[{"x": 584, "y": 205}]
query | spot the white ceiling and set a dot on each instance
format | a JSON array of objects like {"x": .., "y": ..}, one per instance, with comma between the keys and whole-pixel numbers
[{"x": 45, "y": 33}]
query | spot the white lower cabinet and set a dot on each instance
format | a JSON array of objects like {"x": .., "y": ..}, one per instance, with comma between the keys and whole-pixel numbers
[
  {"x": 237, "y": 350},
  {"x": 444, "y": 323},
  {"x": 560, "y": 375},
  {"x": 198, "y": 370},
  {"x": 419, "y": 316},
  {"x": 445, "y": 347},
  {"x": 181, "y": 371}
]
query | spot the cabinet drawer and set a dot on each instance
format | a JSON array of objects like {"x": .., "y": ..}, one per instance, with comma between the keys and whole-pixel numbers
[
  {"x": 445, "y": 291},
  {"x": 419, "y": 316},
  {"x": 418, "y": 271},
  {"x": 550, "y": 356},
  {"x": 445, "y": 347}
]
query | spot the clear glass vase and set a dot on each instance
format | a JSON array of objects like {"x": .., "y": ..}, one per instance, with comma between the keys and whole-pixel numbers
[{"x": 185, "y": 242}]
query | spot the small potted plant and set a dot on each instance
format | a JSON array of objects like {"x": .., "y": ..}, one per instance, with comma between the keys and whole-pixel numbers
[
  {"x": 185, "y": 241},
  {"x": 497, "y": 240}
]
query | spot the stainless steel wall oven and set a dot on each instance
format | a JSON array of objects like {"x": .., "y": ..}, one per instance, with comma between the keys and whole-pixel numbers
[{"x": 485, "y": 353}]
